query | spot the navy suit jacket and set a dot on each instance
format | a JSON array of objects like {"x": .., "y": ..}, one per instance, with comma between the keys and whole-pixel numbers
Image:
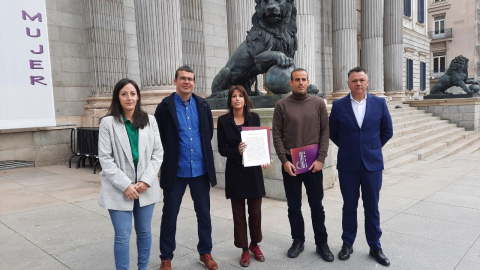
[
  {"x": 357, "y": 144},
  {"x": 166, "y": 116}
]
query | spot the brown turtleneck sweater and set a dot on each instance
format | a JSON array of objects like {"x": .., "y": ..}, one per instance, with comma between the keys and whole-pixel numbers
[{"x": 300, "y": 120}]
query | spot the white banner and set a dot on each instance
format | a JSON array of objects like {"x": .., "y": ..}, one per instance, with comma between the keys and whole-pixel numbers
[{"x": 26, "y": 93}]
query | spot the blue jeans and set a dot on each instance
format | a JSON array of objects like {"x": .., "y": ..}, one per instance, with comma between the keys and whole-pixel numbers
[
  {"x": 172, "y": 199},
  {"x": 122, "y": 224}
]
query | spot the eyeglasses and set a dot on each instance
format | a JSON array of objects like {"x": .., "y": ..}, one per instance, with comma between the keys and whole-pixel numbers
[{"x": 188, "y": 79}]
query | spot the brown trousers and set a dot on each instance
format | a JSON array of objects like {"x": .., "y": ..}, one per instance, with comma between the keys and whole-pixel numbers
[{"x": 240, "y": 223}]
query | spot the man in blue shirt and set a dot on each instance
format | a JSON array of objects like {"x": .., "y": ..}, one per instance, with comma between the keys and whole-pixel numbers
[{"x": 186, "y": 130}]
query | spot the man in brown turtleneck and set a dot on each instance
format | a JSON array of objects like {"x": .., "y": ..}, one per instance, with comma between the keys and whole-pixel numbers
[{"x": 300, "y": 120}]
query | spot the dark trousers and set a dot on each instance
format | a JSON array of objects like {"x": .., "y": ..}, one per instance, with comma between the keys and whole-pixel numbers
[
  {"x": 172, "y": 198},
  {"x": 350, "y": 184},
  {"x": 293, "y": 190},
  {"x": 240, "y": 222}
]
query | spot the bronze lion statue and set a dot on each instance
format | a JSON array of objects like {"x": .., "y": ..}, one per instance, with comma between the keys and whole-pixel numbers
[
  {"x": 271, "y": 41},
  {"x": 456, "y": 75}
]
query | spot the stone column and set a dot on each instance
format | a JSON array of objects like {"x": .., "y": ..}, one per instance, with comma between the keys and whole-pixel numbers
[
  {"x": 159, "y": 42},
  {"x": 372, "y": 44},
  {"x": 107, "y": 47},
  {"x": 239, "y": 20},
  {"x": 393, "y": 49},
  {"x": 344, "y": 29},
  {"x": 305, "y": 56}
]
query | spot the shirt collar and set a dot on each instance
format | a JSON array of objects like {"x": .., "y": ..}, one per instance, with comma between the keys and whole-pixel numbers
[
  {"x": 125, "y": 120},
  {"x": 179, "y": 100},
  {"x": 361, "y": 101}
]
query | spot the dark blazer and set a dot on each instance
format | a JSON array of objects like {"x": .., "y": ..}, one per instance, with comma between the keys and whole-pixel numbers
[
  {"x": 166, "y": 116},
  {"x": 357, "y": 144},
  {"x": 240, "y": 182}
]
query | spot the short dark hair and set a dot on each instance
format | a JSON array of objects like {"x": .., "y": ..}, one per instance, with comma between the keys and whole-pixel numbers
[
  {"x": 356, "y": 69},
  {"x": 184, "y": 68},
  {"x": 295, "y": 70},
  {"x": 248, "y": 102},
  {"x": 140, "y": 117}
]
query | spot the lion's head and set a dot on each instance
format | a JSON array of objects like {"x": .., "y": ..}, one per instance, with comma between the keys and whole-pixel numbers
[
  {"x": 458, "y": 65},
  {"x": 275, "y": 13},
  {"x": 277, "y": 20}
]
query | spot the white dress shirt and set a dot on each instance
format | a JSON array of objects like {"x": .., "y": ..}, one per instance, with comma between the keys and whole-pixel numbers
[{"x": 359, "y": 109}]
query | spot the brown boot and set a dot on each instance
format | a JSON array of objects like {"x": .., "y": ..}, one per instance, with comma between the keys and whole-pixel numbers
[
  {"x": 166, "y": 265},
  {"x": 208, "y": 261}
]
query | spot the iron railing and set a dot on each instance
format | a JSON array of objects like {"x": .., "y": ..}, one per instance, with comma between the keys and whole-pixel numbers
[{"x": 442, "y": 33}]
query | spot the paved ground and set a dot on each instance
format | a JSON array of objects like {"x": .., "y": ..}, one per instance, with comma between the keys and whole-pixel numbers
[{"x": 430, "y": 211}]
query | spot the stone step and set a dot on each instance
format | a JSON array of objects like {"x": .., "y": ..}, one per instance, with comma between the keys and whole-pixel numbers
[
  {"x": 430, "y": 149},
  {"x": 400, "y": 113},
  {"x": 418, "y": 133},
  {"x": 420, "y": 136},
  {"x": 415, "y": 122},
  {"x": 392, "y": 107},
  {"x": 406, "y": 118},
  {"x": 468, "y": 144},
  {"x": 399, "y": 151},
  {"x": 420, "y": 127},
  {"x": 403, "y": 160}
]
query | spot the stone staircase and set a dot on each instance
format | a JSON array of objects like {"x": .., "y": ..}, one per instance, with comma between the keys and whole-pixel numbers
[{"x": 418, "y": 136}]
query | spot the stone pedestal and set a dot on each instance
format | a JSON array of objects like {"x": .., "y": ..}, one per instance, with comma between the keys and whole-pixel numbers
[
  {"x": 465, "y": 112},
  {"x": 97, "y": 107}
]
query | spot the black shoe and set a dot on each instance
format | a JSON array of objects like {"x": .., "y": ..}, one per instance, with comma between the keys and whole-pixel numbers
[
  {"x": 345, "y": 252},
  {"x": 380, "y": 257},
  {"x": 296, "y": 248},
  {"x": 325, "y": 252}
]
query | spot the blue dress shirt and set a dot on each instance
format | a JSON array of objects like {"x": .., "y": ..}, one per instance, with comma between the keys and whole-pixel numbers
[{"x": 191, "y": 162}]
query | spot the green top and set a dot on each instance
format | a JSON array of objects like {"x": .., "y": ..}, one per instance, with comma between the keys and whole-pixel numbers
[{"x": 133, "y": 137}]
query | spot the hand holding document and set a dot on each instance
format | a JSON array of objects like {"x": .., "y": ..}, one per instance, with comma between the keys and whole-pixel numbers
[
  {"x": 257, "y": 152},
  {"x": 303, "y": 157}
]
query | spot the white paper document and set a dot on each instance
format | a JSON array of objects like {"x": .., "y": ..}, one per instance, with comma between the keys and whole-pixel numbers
[{"x": 257, "y": 152}]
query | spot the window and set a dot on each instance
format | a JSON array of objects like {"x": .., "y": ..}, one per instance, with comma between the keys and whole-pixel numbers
[
  {"x": 423, "y": 76},
  {"x": 439, "y": 22},
  {"x": 407, "y": 8},
  {"x": 409, "y": 74},
  {"x": 421, "y": 11},
  {"x": 439, "y": 62}
]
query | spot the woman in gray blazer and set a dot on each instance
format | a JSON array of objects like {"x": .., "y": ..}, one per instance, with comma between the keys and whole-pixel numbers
[{"x": 130, "y": 153}]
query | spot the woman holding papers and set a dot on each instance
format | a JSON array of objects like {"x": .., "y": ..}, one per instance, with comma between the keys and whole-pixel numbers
[
  {"x": 130, "y": 153},
  {"x": 241, "y": 183}
]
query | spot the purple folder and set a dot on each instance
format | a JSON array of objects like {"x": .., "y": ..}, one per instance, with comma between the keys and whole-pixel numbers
[{"x": 303, "y": 157}]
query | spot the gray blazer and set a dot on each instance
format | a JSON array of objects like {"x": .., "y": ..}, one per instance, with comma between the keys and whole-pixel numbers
[{"x": 118, "y": 170}]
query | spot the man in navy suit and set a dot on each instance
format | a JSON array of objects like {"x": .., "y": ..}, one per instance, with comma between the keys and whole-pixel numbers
[{"x": 360, "y": 125}]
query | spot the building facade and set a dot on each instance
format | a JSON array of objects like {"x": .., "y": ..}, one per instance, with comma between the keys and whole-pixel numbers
[
  {"x": 416, "y": 48},
  {"x": 94, "y": 43},
  {"x": 454, "y": 31}
]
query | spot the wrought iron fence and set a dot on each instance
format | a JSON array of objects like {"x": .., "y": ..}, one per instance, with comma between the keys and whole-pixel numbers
[{"x": 441, "y": 33}]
